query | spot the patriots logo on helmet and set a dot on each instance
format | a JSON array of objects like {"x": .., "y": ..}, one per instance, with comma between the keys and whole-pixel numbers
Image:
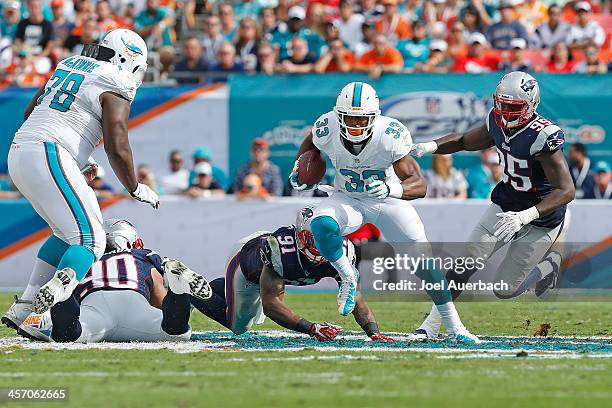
[
  {"x": 132, "y": 50},
  {"x": 529, "y": 85}
]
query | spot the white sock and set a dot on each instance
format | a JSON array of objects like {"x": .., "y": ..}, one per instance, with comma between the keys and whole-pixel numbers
[
  {"x": 451, "y": 318},
  {"x": 344, "y": 268},
  {"x": 42, "y": 273},
  {"x": 432, "y": 323}
]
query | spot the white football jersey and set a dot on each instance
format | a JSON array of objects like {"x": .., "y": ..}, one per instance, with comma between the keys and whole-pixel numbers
[
  {"x": 390, "y": 142},
  {"x": 69, "y": 111}
]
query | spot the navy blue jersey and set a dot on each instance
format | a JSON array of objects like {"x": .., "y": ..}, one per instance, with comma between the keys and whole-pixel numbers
[
  {"x": 524, "y": 182},
  {"x": 278, "y": 250},
  {"x": 129, "y": 269}
]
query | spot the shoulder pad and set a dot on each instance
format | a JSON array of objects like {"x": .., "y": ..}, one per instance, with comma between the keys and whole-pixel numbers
[
  {"x": 322, "y": 129},
  {"x": 274, "y": 260},
  {"x": 118, "y": 81},
  {"x": 549, "y": 139}
]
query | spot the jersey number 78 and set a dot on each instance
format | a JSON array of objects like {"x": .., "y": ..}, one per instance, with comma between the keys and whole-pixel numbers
[{"x": 65, "y": 95}]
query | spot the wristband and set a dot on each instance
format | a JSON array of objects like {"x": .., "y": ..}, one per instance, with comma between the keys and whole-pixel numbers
[
  {"x": 303, "y": 326},
  {"x": 396, "y": 190},
  {"x": 370, "y": 328}
]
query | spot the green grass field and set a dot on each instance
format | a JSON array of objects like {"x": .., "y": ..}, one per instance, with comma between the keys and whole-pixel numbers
[{"x": 163, "y": 378}]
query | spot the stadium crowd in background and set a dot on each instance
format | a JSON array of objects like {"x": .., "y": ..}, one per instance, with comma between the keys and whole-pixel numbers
[{"x": 205, "y": 40}]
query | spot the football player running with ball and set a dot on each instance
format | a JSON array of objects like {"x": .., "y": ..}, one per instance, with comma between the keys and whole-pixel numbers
[
  {"x": 376, "y": 177},
  {"x": 528, "y": 204},
  {"x": 87, "y": 97}
]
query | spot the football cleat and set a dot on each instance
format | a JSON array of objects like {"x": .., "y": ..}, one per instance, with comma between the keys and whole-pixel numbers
[
  {"x": 347, "y": 295},
  {"x": 58, "y": 289},
  {"x": 17, "y": 313},
  {"x": 421, "y": 335},
  {"x": 37, "y": 327},
  {"x": 180, "y": 279},
  {"x": 463, "y": 337},
  {"x": 546, "y": 285}
]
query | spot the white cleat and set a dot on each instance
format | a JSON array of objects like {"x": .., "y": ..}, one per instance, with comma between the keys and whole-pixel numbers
[
  {"x": 55, "y": 291},
  {"x": 37, "y": 327},
  {"x": 463, "y": 337},
  {"x": 347, "y": 295},
  {"x": 422, "y": 334},
  {"x": 180, "y": 279},
  {"x": 17, "y": 313}
]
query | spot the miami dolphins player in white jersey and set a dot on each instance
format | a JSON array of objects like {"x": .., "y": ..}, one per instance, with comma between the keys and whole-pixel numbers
[
  {"x": 87, "y": 97},
  {"x": 375, "y": 178}
]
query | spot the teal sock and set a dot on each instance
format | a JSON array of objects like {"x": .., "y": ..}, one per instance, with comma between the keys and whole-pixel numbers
[
  {"x": 434, "y": 276},
  {"x": 52, "y": 251},
  {"x": 327, "y": 237},
  {"x": 79, "y": 259}
]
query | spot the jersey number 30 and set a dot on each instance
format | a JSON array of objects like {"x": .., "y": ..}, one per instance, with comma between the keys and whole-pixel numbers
[{"x": 63, "y": 98}]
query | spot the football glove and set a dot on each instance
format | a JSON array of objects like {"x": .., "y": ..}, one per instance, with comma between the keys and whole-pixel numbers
[
  {"x": 380, "y": 337},
  {"x": 381, "y": 190},
  {"x": 145, "y": 194},
  {"x": 324, "y": 331},
  {"x": 293, "y": 180},
  {"x": 511, "y": 222},
  {"x": 420, "y": 149},
  {"x": 90, "y": 171}
]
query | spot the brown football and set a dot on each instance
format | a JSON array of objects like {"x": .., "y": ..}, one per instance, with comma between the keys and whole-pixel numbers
[{"x": 311, "y": 167}]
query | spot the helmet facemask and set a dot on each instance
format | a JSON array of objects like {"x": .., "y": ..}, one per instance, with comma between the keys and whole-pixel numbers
[
  {"x": 355, "y": 126},
  {"x": 510, "y": 113}
]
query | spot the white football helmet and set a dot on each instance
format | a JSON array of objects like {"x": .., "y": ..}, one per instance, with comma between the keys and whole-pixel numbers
[
  {"x": 356, "y": 102},
  {"x": 130, "y": 51},
  {"x": 121, "y": 235},
  {"x": 515, "y": 100}
]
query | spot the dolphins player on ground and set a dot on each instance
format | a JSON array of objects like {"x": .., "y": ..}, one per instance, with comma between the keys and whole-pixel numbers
[
  {"x": 261, "y": 265},
  {"x": 376, "y": 176},
  {"x": 121, "y": 296},
  {"x": 529, "y": 204},
  {"x": 86, "y": 97}
]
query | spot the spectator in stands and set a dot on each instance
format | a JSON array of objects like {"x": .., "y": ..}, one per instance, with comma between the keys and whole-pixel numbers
[
  {"x": 368, "y": 32},
  {"x": 438, "y": 61},
  {"x": 252, "y": 188},
  {"x": 227, "y": 63},
  {"x": 560, "y": 59},
  {"x": 473, "y": 21},
  {"x": 416, "y": 49},
  {"x": 380, "y": 59},
  {"x": 267, "y": 18},
  {"x": 74, "y": 43},
  {"x": 61, "y": 26},
  {"x": 591, "y": 63},
  {"x": 500, "y": 34},
  {"x": 99, "y": 186},
  {"x": 554, "y": 31},
  {"x": 301, "y": 60},
  {"x": 247, "y": 8},
  {"x": 370, "y": 10},
  {"x": 104, "y": 13},
  {"x": 316, "y": 18},
  {"x": 532, "y": 14},
  {"x": 580, "y": 169},
  {"x": 268, "y": 172},
  {"x": 349, "y": 24},
  {"x": 337, "y": 58},
  {"x": 247, "y": 41},
  {"x": 203, "y": 155},
  {"x": 412, "y": 11},
  {"x": 10, "y": 18},
  {"x": 392, "y": 24},
  {"x": 177, "y": 180},
  {"x": 586, "y": 31},
  {"x": 35, "y": 34},
  {"x": 443, "y": 180},
  {"x": 330, "y": 33},
  {"x": 477, "y": 61},
  {"x": 212, "y": 39},
  {"x": 603, "y": 182},
  {"x": 83, "y": 10},
  {"x": 191, "y": 68},
  {"x": 266, "y": 59},
  {"x": 480, "y": 178},
  {"x": 204, "y": 184},
  {"x": 145, "y": 175},
  {"x": 297, "y": 27},
  {"x": 228, "y": 22},
  {"x": 154, "y": 24},
  {"x": 517, "y": 60},
  {"x": 457, "y": 47}
]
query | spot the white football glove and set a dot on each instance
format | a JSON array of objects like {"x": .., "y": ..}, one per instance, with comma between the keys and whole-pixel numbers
[
  {"x": 145, "y": 194},
  {"x": 511, "y": 222},
  {"x": 420, "y": 149},
  {"x": 90, "y": 170},
  {"x": 381, "y": 190},
  {"x": 293, "y": 180}
]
